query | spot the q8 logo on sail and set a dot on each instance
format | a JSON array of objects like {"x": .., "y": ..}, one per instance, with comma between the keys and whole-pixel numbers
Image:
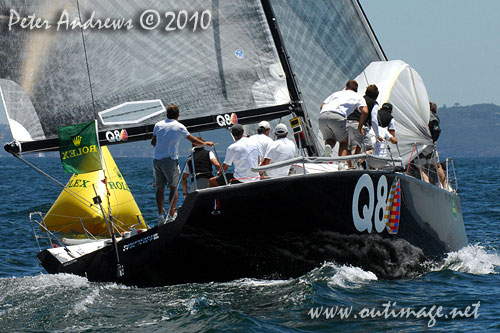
[
  {"x": 224, "y": 120},
  {"x": 116, "y": 136}
]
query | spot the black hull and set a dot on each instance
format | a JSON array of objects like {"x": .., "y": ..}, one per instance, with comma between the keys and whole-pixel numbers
[{"x": 282, "y": 228}]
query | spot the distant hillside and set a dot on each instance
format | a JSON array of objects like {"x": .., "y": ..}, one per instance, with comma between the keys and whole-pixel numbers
[{"x": 472, "y": 130}]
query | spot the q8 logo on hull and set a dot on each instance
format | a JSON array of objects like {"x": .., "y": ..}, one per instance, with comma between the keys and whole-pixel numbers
[{"x": 376, "y": 204}]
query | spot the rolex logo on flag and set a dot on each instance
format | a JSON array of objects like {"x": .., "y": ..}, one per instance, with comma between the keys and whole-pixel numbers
[
  {"x": 76, "y": 140},
  {"x": 79, "y": 148}
]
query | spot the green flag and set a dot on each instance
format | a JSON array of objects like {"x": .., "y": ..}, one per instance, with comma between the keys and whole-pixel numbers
[{"x": 79, "y": 148}]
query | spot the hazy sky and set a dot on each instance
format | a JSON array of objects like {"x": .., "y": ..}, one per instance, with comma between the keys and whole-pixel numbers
[{"x": 453, "y": 44}]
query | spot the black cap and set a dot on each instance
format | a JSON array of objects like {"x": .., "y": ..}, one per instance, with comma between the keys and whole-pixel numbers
[{"x": 387, "y": 106}]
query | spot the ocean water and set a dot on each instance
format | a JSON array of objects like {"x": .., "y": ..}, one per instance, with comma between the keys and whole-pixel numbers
[{"x": 460, "y": 293}]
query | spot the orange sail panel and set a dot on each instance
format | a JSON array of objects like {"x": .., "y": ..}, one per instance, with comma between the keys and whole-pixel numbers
[{"x": 75, "y": 205}]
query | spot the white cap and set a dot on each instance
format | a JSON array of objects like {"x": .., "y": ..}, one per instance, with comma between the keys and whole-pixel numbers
[
  {"x": 265, "y": 124},
  {"x": 280, "y": 129}
]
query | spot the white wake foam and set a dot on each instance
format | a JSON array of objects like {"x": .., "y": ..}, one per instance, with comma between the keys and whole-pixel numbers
[
  {"x": 473, "y": 259},
  {"x": 257, "y": 282},
  {"x": 44, "y": 281},
  {"x": 350, "y": 277},
  {"x": 85, "y": 303},
  {"x": 343, "y": 276}
]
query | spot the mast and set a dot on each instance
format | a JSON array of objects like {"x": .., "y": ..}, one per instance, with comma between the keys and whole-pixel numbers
[{"x": 296, "y": 105}]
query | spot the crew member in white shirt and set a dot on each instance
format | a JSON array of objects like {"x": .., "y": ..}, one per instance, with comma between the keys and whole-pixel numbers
[
  {"x": 262, "y": 138},
  {"x": 166, "y": 136},
  {"x": 280, "y": 150},
  {"x": 386, "y": 130},
  {"x": 244, "y": 154},
  {"x": 381, "y": 146},
  {"x": 332, "y": 118}
]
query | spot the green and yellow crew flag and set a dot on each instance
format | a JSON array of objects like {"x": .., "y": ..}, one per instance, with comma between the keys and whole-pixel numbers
[{"x": 79, "y": 148}]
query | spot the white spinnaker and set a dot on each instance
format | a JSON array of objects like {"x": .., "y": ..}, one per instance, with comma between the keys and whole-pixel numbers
[{"x": 402, "y": 86}]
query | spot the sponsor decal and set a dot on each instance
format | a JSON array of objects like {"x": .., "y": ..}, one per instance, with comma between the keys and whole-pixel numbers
[
  {"x": 234, "y": 118},
  {"x": 79, "y": 148},
  {"x": 78, "y": 183},
  {"x": 77, "y": 140},
  {"x": 392, "y": 209},
  {"x": 239, "y": 54},
  {"x": 118, "y": 173},
  {"x": 140, "y": 242},
  {"x": 78, "y": 152},
  {"x": 118, "y": 186}
]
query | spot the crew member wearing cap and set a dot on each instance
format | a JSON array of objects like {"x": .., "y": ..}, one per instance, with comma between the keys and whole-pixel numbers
[
  {"x": 386, "y": 130},
  {"x": 280, "y": 150},
  {"x": 262, "y": 138},
  {"x": 166, "y": 137},
  {"x": 244, "y": 154},
  {"x": 385, "y": 118}
]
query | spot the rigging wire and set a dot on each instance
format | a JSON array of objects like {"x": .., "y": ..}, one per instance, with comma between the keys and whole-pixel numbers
[{"x": 86, "y": 57}]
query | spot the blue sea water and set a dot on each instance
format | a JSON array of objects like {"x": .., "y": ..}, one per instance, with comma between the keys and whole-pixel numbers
[{"x": 31, "y": 300}]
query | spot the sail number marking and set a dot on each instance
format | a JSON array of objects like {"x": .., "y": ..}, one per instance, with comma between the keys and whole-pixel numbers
[
  {"x": 223, "y": 120},
  {"x": 371, "y": 212},
  {"x": 227, "y": 119},
  {"x": 116, "y": 136}
]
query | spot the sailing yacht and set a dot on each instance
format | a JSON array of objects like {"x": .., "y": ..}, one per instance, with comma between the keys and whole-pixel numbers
[{"x": 226, "y": 62}]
